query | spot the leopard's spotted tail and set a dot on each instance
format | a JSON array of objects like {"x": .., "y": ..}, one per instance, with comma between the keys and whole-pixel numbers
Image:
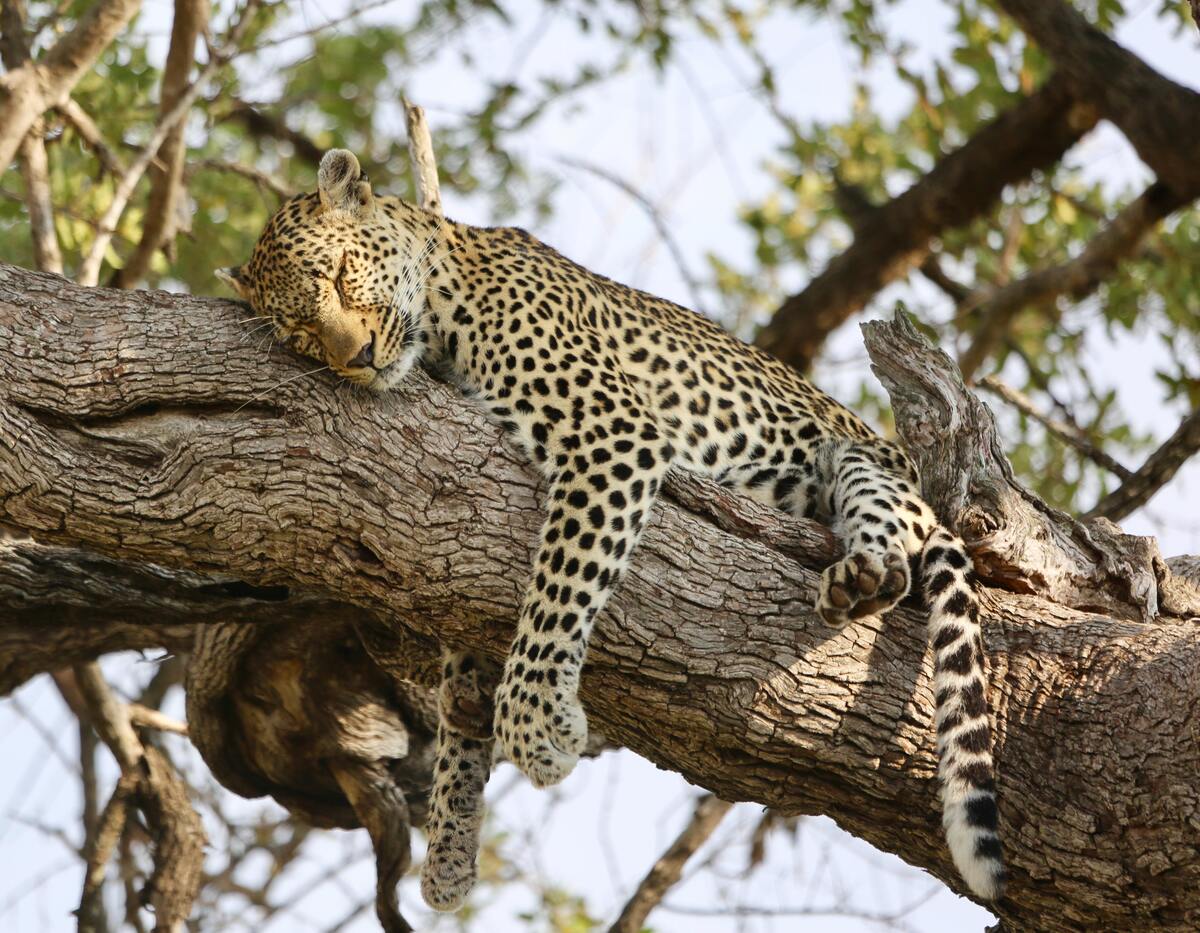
[{"x": 963, "y": 733}]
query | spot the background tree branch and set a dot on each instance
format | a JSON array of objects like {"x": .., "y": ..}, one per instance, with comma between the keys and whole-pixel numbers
[
  {"x": 1117, "y": 82},
  {"x": 137, "y": 425},
  {"x": 1033, "y": 134}
]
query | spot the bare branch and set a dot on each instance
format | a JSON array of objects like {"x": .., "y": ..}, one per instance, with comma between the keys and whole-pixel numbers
[
  {"x": 35, "y": 170},
  {"x": 109, "y": 829},
  {"x": 424, "y": 165},
  {"x": 1033, "y": 134},
  {"x": 277, "y": 186},
  {"x": 1067, "y": 433},
  {"x": 1078, "y": 277},
  {"x": 109, "y": 717},
  {"x": 149, "y": 718},
  {"x": 669, "y": 868},
  {"x": 1152, "y": 475}
]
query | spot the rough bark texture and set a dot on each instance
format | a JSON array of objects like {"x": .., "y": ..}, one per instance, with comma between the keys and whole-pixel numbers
[{"x": 138, "y": 425}]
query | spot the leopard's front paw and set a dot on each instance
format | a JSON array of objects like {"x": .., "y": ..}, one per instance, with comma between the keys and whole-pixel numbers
[
  {"x": 541, "y": 729},
  {"x": 465, "y": 697},
  {"x": 863, "y": 584}
]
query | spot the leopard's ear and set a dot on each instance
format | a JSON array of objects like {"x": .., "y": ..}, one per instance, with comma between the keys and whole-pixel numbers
[
  {"x": 235, "y": 277},
  {"x": 343, "y": 185}
]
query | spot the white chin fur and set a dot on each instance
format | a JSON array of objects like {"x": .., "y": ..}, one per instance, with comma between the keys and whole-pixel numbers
[{"x": 393, "y": 374}]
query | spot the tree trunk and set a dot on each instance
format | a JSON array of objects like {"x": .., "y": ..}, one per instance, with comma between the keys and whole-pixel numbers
[{"x": 143, "y": 427}]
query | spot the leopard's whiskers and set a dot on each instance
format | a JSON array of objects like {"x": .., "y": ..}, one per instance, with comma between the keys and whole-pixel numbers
[{"x": 281, "y": 382}]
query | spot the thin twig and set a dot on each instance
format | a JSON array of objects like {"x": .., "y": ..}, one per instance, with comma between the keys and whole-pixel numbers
[
  {"x": 275, "y": 185},
  {"x": 1067, "y": 433},
  {"x": 669, "y": 868},
  {"x": 149, "y": 718},
  {"x": 652, "y": 212}
]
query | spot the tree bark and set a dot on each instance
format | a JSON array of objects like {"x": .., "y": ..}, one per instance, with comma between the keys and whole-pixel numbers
[{"x": 139, "y": 425}]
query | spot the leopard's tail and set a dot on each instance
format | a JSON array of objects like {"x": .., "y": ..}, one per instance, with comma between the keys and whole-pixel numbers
[{"x": 964, "y": 740}]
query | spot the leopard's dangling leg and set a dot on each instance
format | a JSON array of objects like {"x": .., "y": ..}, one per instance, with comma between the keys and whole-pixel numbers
[
  {"x": 463, "y": 760},
  {"x": 599, "y": 502}
]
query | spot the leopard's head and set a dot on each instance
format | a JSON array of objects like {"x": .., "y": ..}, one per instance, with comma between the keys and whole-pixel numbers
[{"x": 341, "y": 275}]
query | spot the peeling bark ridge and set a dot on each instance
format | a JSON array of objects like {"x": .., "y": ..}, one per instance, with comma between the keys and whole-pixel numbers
[{"x": 137, "y": 425}]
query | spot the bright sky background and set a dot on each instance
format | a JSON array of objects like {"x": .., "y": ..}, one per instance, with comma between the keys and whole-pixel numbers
[{"x": 694, "y": 144}]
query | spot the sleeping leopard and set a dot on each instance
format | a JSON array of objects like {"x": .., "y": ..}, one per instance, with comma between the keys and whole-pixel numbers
[{"x": 606, "y": 388}]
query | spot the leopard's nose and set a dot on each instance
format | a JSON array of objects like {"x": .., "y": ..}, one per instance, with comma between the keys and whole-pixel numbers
[{"x": 366, "y": 356}]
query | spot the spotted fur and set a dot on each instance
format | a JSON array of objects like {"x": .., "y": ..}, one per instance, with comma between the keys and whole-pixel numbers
[{"x": 607, "y": 388}]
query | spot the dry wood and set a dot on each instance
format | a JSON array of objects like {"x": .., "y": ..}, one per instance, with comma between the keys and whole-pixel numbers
[
  {"x": 137, "y": 425},
  {"x": 420, "y": 153}
]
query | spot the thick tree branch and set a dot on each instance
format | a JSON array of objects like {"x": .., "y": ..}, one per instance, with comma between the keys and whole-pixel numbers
[
  {"x": 154, "y": 436},
  {"x": 1033, "y": 134},
  {"x": 1160, "y": 118},
  {"x": 61, "y": 606}
]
